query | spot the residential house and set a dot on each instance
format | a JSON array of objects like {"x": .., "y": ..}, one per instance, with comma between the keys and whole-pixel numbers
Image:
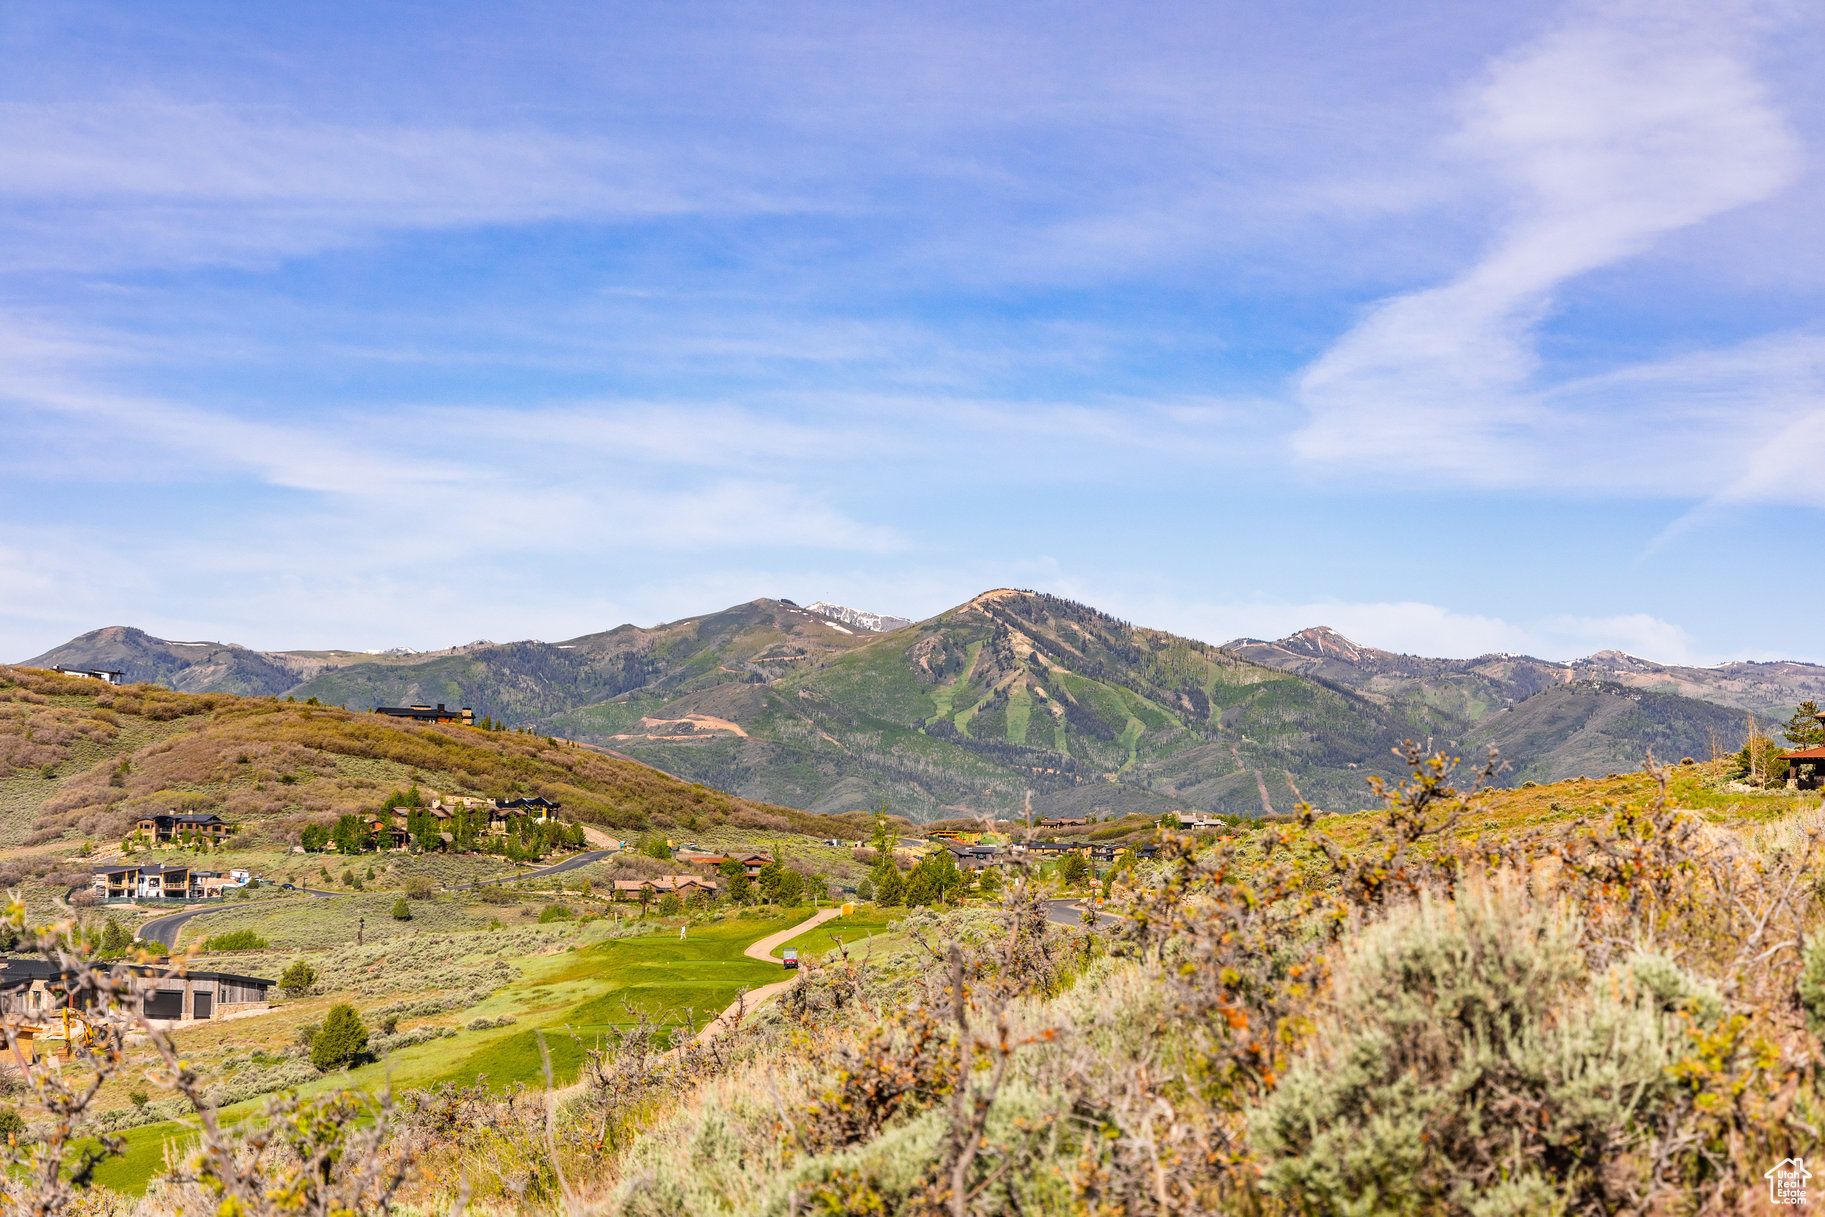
[
  {"x": 968, "y": 857},
  {"x": 36, "y": 989},
  {"x": 166, "y": 827},
  {"x": 105, "y": 675},
  {"x": 1064, "y": 822},
  {"x": 430, "y": 714},
  {"x": 116, "y": 882},
  {"x": 154, "y": 881},
  {"x": 751, "y": 864},
  {"x": 1806, "y": 767},
  {"x": 684, "y": 886},
  {"x": 1060, "y": 847},
  {"x": 503, "y": 813}
]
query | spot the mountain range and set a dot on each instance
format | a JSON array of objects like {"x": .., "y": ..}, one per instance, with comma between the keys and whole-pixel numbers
[{"x": 1012, "y": 700}]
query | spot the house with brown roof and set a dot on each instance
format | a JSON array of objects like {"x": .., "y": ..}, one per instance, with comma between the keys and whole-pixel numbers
[
  {"x": 683, "y": 886},
  {"x": 1806, "y": 766}
]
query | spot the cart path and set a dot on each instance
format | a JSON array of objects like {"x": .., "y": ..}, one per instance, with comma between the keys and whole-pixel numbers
[
  {"x": 763, "y": 950},
  {"x": 742, "y": 1006}
]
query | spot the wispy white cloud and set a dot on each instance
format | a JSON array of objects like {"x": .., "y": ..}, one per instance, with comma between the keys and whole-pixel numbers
[
  {"x": 1622, "y": 125},
  {"x": 146, "y": 180}
]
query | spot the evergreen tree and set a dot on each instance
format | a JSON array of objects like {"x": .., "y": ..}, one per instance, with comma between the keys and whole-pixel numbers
[
  {"x": 769, "y": 880},
  {"x": 921, "y": 888},
  {"x": 890, "y": 887},
  {"x": 1804, "y": 730},
  {"x": 401, "y": 910},
  {"x": 341, "y": 1040},
  {"x": 114, "y": 940},
  {"x": 883, "y": 838}
]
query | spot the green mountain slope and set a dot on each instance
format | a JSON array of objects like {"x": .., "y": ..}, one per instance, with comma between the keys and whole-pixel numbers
[
  {"x": 1008, "y": 694},
  {"x": 1016, "y": 698},
  {"x": 528, "y": 683},
  {"x": 1592, "y": 728},
  {"x": 1465, "y": 690}
]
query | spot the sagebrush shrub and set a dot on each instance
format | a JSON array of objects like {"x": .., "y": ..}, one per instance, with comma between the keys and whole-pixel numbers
[
  {"x": 1470, "y": 1050},
  {"x": 1811, "y": 984}
]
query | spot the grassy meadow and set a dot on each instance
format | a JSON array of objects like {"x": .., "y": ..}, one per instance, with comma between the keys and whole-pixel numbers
[{"x": 566, "y": 982}]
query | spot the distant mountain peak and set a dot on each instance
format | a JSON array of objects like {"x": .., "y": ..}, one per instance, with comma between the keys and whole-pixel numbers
[
  {"x": 1323, "y": 640},
  {"x": 1316, "y": 642},
  {"x": 861, "y": 619}
]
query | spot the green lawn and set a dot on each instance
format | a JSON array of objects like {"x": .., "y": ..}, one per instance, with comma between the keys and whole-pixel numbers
[
  {"x": 574, "y": 998},
  {"x": 867, "y": 921},
  {"x": 581, "y": 991},
  {"x": 144, "y": 1156}
]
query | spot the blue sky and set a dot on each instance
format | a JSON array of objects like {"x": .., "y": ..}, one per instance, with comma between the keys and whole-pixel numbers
[{"x": 1457, "y": 327}]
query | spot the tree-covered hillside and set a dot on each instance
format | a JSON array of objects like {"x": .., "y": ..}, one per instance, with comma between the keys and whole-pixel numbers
[
  {"x": 1013, "y": 692},
  {"x": 1014, "y": 698}
]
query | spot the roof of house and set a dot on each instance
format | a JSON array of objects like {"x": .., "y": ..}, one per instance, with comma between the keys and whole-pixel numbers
[
  {"x": 1805, "y": 754},
  {"x": 537, "y": 800},
  {"x": 151, "y": 868},
  {"x": 16, "y": 972},
  {"x": 664, "y": 883}
]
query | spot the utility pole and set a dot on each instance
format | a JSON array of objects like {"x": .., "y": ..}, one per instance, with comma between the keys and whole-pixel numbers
[{"x": 361, "y": 929}]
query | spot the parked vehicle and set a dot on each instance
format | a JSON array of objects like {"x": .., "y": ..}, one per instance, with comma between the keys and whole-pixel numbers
[{"x": 791, "y": 957}]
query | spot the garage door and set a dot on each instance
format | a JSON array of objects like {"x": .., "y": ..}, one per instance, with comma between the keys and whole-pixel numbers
[
  {"x": 165, "y": 1003},
  {"x": 201, "y": 1004}
]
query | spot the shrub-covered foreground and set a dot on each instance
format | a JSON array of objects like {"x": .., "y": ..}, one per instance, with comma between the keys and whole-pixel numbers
[{"x": 1622, "y": 1017}]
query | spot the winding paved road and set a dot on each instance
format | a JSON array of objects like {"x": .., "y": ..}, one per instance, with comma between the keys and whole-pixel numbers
[
  {"x": 165, "y": 929},
  {"x": 1071, "y": 912},
  {"x": 582, "y": 859}
]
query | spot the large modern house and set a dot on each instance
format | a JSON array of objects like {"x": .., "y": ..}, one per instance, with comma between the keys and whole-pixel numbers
[
  {"x": 105, "y": 675},
  {"x": 430, "y": 714},
  {"x": 165, "y": 828},
  {"x": 36, "y": 989},
  {"x": 538, "y": 808},
  {"x": 154, "y": 881}
]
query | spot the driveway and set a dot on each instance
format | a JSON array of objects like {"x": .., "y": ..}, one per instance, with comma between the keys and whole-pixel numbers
[
  {"x": 583, "y": 859},
  {"x": 165, "y": 929},
  {"x": 1071, "y": 912}
]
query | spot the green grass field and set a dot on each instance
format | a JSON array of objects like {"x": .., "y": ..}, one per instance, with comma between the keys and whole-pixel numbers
[
  {"x": 570, "y": 998},
  {"x": 854, "y": 930}
]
